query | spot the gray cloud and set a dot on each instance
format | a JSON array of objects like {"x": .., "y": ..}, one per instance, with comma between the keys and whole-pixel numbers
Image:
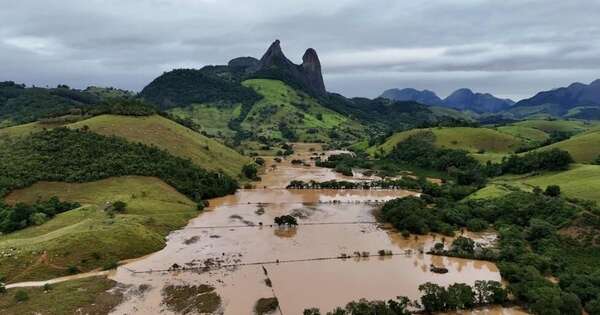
[{"x": 511, "y": 48}]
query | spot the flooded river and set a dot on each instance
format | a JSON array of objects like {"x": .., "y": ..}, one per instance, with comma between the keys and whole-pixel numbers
[{"x": 234, "y": 248}]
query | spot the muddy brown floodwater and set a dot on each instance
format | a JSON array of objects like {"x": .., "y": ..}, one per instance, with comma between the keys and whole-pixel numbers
[{"x": 234, "y": 248}]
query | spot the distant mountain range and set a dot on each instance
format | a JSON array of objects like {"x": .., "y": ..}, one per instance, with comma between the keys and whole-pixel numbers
[
  {"x": 578, "y": 100},
  {"x": 462, "y": 99}
]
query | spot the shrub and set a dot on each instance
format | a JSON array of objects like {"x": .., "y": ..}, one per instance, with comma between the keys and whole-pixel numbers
[
  {"x": 477, "y": 225},
  {"x": 21, "y": 296},
  {"x": 552, "y": 191},
  {"x": 119, "y": 206}
]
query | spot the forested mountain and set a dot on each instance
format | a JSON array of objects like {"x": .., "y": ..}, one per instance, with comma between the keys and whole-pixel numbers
[{"x": 20, "y": 104}]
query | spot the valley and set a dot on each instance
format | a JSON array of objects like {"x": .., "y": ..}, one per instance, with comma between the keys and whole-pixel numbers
[{"x": 249, "y": 188}]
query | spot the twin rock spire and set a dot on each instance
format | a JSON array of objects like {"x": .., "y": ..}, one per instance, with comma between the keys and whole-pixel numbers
[{"x": 274, "y": 61}]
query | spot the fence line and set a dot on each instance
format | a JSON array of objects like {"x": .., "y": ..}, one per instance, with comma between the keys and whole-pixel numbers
[
  {"x": 271, "y": 225},
  {"x": 270, "y": 262}
]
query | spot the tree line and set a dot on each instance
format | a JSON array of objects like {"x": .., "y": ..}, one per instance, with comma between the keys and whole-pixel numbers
[
  {"x": 69, "y": 155},
  {"x": 21, "y": 215},
  {"x": 434, "y": 298}
]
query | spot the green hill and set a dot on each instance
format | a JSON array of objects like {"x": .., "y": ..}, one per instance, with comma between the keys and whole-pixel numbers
[
  {"x": 580, "y": 181},
  {"x": 168, "y": 135},
  {"x": 584, "y": 147},
  {"x": 474, "y": 140},
  {"x": 87, "y": 238},
  {"x": 20, "y": 104},
  {"x": 528, "y": 134},
  {"x": 283, "y": 113},
  {"x": 547, "y": 126}
]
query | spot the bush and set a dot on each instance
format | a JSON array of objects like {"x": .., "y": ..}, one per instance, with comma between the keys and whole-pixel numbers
[
  {"x": 552, "y": 191},
  {"x": 73, "y": 270},
  {"x": 119, "y": 206},
  {"x": 111, "y": 264},
  {"x": 2, "y": 288},
  {"x": 21, "y": 296},
  {"x": 250, "y": 171},
  {"x": 477, "y": 225}
]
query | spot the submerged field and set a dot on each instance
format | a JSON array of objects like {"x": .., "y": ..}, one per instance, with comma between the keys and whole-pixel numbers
[{"x": 88, "y": 238}]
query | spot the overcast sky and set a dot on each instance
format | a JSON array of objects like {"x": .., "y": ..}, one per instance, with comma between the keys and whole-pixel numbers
[{"x": 511, "y": 48}]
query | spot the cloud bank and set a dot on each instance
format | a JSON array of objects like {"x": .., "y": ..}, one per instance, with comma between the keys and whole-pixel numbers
[{"x": 511, "y": 48}]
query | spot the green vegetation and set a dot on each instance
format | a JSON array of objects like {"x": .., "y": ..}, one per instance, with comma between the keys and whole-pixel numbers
[
  {"x": 579, "y": 181},
  {"x": 79, "y": 156},
  {"x": 183, "y": 87},
  {"x": 266, "y": 306},
  {"x": 285, "y": 113},
  {"x": 19, "y": 104},
  {"x": 88, "y": 237},
  {"x": 530, "y": 245},
  {"x": 22, "y": 215},
  {"x": 434, "y": 298},
  {"x": 584, "y": 147},
  {"x": 196, "y": 299},
  {"x": 548, "y": 126},
  {"x": 84, "y": 296},
  {"x": 165, "y": 134},
  {"x": 213, "y": 119},
  {"x": 474, "y": 140}
]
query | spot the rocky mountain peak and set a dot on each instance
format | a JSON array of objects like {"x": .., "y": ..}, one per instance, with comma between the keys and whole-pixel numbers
[
  {"x": 308, "y": 74},
  {"x": 311, "y": 66}
]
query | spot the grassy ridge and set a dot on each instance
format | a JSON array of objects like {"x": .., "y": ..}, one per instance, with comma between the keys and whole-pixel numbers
[
  {"x": 547, "y": 126},
  {"x": 465, "y": 138},
  {"x": 580, "y": 181},
  {"x": 584, "y": 147},
  {"x": 86, "y": 237},
  {"x": 168, "y": 135}
]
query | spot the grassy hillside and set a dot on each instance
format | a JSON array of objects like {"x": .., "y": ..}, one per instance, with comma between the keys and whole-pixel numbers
[
  {"x": 526, "y": 133},
  {"x": 548, "y": 126},
  {"x": 471, "y": 139},
  {"x": 584, "y": 147},
  {"x": 282, "y": 104},
  {"x": 87, "y": 238},
  {"x": 282, "y": 113},
  {"x": 165, "y": 134},
  {"x": 84, "y": 296},
  {"x": 213, "y": 119},
  {"x": 581, "y": 181}
]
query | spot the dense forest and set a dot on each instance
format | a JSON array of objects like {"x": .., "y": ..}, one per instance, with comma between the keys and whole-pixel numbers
[
  {"x": 20, "y": 104},
  {"x": 79, "y": 156},
  {"x": 183, "y": 87}
]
